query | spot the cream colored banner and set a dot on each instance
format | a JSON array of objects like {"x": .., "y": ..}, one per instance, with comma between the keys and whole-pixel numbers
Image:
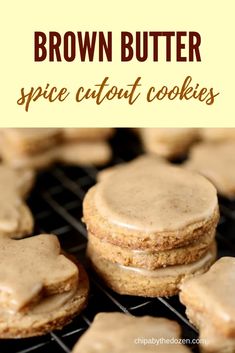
[{"x": 213, "y": 20}]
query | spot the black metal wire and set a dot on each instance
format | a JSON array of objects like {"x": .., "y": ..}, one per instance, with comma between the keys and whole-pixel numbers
[{"x": 56, "y": 202}]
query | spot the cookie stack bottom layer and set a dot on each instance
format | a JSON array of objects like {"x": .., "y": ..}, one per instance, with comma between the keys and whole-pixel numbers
[{"x": 162, "y": 281}]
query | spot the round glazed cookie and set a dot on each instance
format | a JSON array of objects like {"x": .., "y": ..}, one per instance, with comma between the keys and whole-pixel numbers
[
  {"x": 151, "y": 205},
  {"x": 162, "y": 282}
]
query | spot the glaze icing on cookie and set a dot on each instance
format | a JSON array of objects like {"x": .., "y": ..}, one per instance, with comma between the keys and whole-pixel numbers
[{"x": 155, "y": 197}]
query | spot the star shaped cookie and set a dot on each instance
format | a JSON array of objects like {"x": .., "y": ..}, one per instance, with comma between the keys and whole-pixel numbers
[{"x": 32, "y": 267}]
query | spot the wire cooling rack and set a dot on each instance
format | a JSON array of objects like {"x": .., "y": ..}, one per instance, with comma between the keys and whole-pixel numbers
[{"x": 56, "y": 203}]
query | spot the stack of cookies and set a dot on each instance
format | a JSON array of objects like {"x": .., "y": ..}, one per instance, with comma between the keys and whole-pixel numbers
[
  {"x": 39, "y": 148},
  {"x": 150, "y": 225}
]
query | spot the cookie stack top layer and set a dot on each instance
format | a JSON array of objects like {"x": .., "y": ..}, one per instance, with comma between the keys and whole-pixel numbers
[
  {"x": 155, "y": 197},
  {"x": 151, "y": 201}
]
